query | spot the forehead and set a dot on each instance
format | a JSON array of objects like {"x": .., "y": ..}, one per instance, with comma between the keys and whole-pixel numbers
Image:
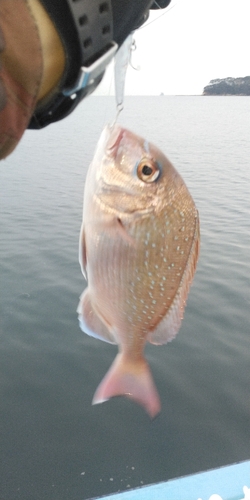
[
  {"x": 146, "y": 147},
  {"x": 133, "y": 147}
]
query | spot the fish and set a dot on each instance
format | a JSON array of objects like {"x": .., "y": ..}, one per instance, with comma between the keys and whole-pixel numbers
[{"x": 139, "y": 246}]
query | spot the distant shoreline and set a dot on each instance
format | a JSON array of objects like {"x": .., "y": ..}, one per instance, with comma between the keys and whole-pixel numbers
[
  {"x": 228, "y": 87},
  {"x": 169, "y": 95}
]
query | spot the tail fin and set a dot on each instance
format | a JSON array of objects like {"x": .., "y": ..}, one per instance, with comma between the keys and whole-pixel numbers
[{"x": 132, "y": 379}]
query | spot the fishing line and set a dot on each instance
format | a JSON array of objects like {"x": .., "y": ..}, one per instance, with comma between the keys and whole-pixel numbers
[
  {"x": 160, "y": 15},
  {"x": 108, "y": 93}
]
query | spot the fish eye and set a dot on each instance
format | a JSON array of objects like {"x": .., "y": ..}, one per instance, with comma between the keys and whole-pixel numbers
[{"x": 148, "y": 170}]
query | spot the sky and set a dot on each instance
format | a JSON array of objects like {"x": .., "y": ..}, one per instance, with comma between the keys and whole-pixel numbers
[{"x": 183, "y": 47}]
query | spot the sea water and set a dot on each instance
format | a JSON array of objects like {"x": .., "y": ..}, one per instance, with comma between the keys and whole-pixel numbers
[{"x": 53, "y": 444}]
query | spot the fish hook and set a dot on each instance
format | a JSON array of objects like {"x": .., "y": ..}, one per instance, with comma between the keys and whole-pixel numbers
[
  {"x": 133, "y": 47},
  {"x": 119, "y": 108}
]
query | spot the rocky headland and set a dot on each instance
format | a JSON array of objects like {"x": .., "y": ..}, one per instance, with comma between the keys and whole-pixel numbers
[{"x": 228, "y": 86}]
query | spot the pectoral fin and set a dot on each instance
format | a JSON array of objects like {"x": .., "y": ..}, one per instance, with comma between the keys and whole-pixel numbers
[
  {"x": 89, "y": 322},
  {"x": 114, "y": 227},
  {"x": 83, "y": 253}
]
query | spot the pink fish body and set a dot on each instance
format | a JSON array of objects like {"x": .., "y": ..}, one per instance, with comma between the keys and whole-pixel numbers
[{"x": 139, "y": 246}]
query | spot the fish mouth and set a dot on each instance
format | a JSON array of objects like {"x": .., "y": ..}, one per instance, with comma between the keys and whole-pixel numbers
[{"x": 116, "y": 135}]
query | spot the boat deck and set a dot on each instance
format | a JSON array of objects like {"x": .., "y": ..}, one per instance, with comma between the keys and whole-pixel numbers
[{"x": 231, "y": 482}]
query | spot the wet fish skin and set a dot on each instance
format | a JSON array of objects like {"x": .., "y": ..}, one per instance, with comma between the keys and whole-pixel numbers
[{"x": 139, "y": 246}]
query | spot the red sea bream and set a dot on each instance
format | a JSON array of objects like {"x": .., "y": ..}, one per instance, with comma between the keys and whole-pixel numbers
[{"x": 139, "y": 246}]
